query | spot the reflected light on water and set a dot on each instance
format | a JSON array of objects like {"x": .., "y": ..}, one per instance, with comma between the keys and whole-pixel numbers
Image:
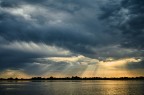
[{"x": 95, "y": 87}]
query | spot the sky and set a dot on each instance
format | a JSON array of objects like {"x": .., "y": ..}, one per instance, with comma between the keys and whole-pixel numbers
[{"x": 63, "y": 38}]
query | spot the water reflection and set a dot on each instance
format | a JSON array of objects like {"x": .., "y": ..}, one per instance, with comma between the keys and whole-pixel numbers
[{"x": 98, "y": 87}]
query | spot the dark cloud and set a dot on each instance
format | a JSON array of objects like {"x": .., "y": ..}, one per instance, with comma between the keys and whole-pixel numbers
[
  {"x": 21, "y": 54},
  {"x": 12, "y": 58},
  {"x": 14, "y": 3},
  {"x": 92, "y": 28},
  {"x": 128, "y": 17},
  {"x": 77, "y": 32},
  {"x": 136, "y": 65}
]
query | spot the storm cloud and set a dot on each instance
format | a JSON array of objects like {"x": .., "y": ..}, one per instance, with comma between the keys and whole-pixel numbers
[
  {"x": 95, "y": 29},
  {"x": 128, "y": 17}
]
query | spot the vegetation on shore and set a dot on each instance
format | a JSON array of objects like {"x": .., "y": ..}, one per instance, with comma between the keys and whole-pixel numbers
[{"x": 78, "y": 78}]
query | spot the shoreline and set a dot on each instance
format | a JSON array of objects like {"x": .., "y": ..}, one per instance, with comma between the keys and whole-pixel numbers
[{"x": 71, "y": 78}]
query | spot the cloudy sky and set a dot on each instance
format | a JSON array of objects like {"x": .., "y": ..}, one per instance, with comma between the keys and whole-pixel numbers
[{"x": 60, "y": 38}]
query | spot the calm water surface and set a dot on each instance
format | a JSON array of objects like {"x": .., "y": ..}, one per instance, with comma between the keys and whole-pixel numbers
[{"x": 97, "y": 87}]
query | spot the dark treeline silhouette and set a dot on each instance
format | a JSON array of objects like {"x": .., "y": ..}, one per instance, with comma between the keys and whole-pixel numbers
[{"x": 78, "y": 78}]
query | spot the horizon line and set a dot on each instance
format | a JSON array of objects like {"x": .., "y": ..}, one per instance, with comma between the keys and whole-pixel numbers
[{"x": 75, "y": 78}]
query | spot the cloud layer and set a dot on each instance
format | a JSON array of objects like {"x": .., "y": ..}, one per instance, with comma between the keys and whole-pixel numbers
[{"x": 46, "y": 35}]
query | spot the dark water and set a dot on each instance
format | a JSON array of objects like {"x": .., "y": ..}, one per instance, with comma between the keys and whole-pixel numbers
[{"x": 98, "y": 87}]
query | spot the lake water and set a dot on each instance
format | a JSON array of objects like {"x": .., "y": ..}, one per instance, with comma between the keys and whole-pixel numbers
[{"x": 94, "y": 87}]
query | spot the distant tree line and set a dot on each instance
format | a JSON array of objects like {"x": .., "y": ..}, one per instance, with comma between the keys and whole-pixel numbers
[{"x": 78, "y": 78}]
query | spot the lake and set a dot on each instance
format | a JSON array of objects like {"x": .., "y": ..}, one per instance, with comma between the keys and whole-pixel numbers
[{"x": 84, "y": 87}]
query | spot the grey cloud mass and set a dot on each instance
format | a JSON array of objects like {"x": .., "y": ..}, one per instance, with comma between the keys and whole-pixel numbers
[
  {"x": 98, "y": 29},
  {"x": 128, "y": 17},
  {"x": 55, "y": 26}
]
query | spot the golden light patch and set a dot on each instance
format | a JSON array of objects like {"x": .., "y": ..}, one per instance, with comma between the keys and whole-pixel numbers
[
  {"x": 112, "y": 68},
  {"x": 118, "y": 63},
  {"x": 66, "y": 59},
  {"x": 80, "y": 58},
  {"x": 13, "y": 74}
]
